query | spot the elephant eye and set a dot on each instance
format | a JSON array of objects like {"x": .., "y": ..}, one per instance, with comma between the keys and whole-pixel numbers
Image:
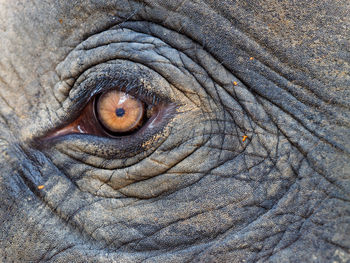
[
  {"x": 117, "y": 113},
  {"x": 120, "y": 112}
]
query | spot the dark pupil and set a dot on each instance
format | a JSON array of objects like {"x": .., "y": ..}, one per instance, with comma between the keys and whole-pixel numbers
[{"x": 120, "y": 112}]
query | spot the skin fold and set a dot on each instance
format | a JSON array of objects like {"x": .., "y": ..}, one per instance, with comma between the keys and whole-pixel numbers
[{"x": 249, "y": 160}]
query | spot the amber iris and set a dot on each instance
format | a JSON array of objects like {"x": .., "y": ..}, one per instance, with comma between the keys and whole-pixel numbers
[{"x": 119, "y": 112}]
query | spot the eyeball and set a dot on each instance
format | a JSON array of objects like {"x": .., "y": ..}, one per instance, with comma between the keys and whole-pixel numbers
[{"x": 120, "y": 112}]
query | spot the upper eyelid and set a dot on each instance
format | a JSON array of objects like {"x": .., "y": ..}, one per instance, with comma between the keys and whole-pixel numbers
[
  {"x": 95, "y": 51},
  {"x": 68, "y": 93},
  {"x": 134, "y": 80}
]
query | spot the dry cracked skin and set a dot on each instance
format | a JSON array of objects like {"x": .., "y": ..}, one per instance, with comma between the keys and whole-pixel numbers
[{"x": 241, "y": 153}]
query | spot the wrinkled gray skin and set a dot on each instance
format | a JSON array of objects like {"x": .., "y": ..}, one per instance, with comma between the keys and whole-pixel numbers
[{"x": 189, "y": 190}]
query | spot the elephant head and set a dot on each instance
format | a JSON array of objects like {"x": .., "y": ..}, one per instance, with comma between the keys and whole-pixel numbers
[{"x": 174, "y": 131}]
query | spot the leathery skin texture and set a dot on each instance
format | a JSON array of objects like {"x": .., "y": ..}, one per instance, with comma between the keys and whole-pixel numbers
[{"x": 246, "y": 160}]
